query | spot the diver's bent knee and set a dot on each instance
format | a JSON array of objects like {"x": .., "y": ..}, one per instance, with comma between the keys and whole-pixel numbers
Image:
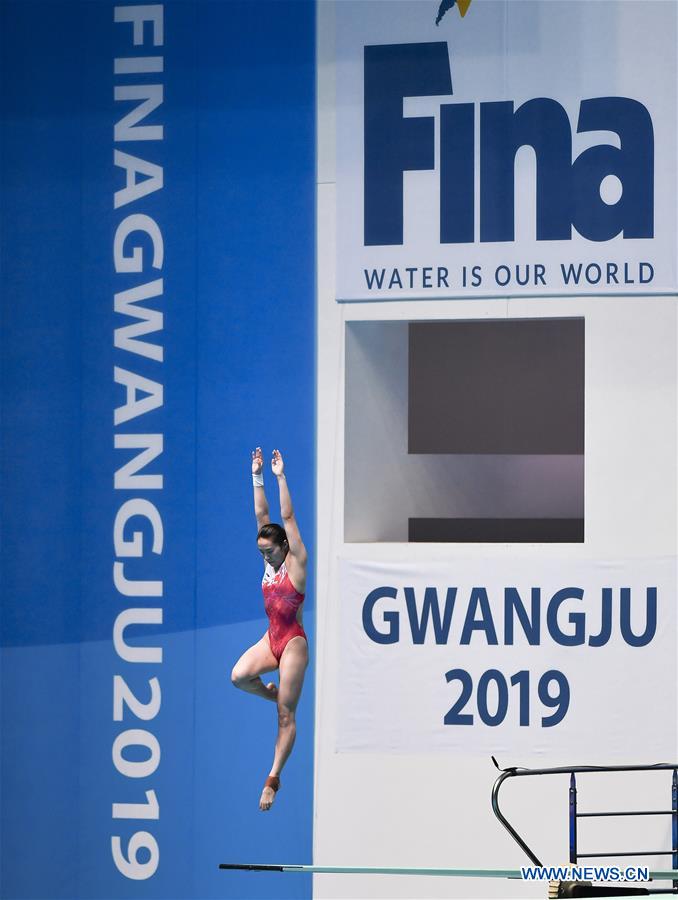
[{"x": 238, "y": 678}]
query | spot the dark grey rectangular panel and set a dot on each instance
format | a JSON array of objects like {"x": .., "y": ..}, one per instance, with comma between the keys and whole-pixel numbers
[
  {"x": 508, "y": 386},
  {"x": 496, "y": 531}
]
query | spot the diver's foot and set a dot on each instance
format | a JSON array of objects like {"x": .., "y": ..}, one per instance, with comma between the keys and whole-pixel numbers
[
  {"x": 271, "y": 786},
  {"x": 272, "y": 689}
]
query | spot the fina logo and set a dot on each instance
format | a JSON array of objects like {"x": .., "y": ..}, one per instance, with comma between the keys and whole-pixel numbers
[
  {"x": 568, "y": 193},
  {"x": 445, "y": 5}
]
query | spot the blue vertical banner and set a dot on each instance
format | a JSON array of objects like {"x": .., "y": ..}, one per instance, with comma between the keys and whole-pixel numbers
[{"x": 158, "y": 227}]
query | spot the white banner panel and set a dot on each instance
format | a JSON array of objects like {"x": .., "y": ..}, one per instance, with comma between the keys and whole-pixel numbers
[
  {"x": 523, "y": 657},
  {"x": 526, "y": 148},
  {"x": 451, "y": 159}
]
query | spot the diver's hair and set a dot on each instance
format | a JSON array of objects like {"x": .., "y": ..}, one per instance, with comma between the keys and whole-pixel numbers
[{"x": 273, "y": 532}]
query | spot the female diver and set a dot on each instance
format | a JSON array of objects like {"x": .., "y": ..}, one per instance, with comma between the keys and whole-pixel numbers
[{"x": 284, "y": 646}]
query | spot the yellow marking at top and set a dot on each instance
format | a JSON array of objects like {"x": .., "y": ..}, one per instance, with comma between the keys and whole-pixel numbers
[{"x": 463, "y": 7}]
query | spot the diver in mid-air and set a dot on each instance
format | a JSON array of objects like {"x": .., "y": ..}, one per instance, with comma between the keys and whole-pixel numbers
[{"x": 284, "y": 646}]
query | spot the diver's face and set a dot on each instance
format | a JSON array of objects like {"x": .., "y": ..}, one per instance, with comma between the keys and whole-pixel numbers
[{"x": 273, "y": 553}]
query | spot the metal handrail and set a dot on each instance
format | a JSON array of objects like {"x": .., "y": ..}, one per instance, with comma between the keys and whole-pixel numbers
[{"x": 518, "y": 772}]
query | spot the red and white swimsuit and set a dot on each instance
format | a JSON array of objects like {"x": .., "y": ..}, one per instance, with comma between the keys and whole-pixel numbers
[{"x": 281, "y": 602}]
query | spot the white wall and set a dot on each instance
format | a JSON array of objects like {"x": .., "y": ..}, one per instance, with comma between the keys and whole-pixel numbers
[{"x": 433, "y": 809}]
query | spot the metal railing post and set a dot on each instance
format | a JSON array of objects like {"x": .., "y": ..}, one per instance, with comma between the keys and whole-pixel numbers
[
  {"x": 573, "y": 819},
  {"x": 674, "y": 824}
]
